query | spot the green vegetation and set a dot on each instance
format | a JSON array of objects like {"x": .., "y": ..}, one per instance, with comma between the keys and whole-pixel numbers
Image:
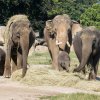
[
  {"x": 44, "y": 58},
  {"x": 40, "y": 58},
  {"x": 78, "y": 96},
  {"x": 41, "y": 10},
  {"x": 91, "y": 17}
]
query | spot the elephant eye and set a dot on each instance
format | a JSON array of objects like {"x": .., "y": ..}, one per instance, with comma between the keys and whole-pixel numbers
[{"x": 51, "y": 34}]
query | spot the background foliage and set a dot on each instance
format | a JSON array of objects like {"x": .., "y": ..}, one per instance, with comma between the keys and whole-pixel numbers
[
  {"x": 91, "y": 16},
  {"x": 41, "y": 10}
]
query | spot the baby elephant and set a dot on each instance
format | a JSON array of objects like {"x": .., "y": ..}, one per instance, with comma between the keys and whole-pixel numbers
[
  {"x": 63, "y": 61},
  {"x": 2, "y": 61}
]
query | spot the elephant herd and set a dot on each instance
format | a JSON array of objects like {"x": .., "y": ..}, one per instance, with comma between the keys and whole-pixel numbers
[{"x": 60, "y": 33}]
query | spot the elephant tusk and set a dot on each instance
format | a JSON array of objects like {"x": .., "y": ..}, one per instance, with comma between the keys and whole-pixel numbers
[
  {"x": 68, "y": 44},
  {"x": 58, "y": 43}
]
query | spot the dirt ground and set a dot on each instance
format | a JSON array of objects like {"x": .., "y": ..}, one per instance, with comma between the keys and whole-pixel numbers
[{"x": 10, "y": 90}]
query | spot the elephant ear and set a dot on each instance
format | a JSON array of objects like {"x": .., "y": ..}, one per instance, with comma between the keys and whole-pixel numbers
[
  {"x": 49, "y": 24},
  {"x": 76, "y": 27},
  {"x": 50, "y": 28}
]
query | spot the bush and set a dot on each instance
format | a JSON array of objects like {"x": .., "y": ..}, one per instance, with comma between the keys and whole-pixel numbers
[{"x": 91, "y": 17}]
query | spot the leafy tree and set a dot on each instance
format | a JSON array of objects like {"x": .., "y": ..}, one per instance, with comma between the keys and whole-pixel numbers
[
  {"x": 41, "y": 10},
  {"x": 72, "y": 7},
  {"x": 91, "y": 16}
]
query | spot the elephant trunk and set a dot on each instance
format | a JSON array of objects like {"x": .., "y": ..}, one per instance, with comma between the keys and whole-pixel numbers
[
  {"x": 25, "y": 50},
  {"x": 86, "y": 52}
]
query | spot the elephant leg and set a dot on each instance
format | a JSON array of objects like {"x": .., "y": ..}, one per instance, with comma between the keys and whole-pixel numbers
[
  {"x": 54, "y": 56},
  {"x": 55, "y": 65},
  {"x": 93, "y": 73},
  {"x": 14, "y": 63},
  {"x": 55, "y": 61},
  {"x": 94, "y": 67},
  {"x": 7, "y": 70}
]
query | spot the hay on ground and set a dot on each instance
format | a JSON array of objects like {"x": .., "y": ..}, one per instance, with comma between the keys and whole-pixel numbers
[{"x": 45, "y": 76}]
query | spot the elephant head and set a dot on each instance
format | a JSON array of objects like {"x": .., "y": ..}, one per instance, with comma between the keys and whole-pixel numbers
[{"x": 60, "y": 29}]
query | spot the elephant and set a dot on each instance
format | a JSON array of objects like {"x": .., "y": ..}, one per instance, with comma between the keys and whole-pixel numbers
[
  {"x": 58, "y": 35},
  {"x": 2, "y": 61},
  {"x": 20, "y": 39},
  {"x": 87, "y": 45},
  {"x": 63, "y": 61},
  {"x": 2, "y": 30}
]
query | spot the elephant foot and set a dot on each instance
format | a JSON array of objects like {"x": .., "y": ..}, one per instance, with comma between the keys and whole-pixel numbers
[
  {"x": 7, "y": 73},
  {"x": 92, "y": 76}
]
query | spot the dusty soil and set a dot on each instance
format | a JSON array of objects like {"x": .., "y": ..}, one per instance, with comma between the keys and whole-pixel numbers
[{"x": 10, "y": 90}]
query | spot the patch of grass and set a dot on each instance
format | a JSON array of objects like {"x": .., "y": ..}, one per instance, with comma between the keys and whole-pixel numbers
[
  {"x": 44, "y": 58},
  {"x": 77, "y": 96},
  {"x": 40, "y": 58}
]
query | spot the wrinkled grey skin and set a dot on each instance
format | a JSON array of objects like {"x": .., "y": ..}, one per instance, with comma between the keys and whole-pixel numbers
[
  {"x": 87, "y": 48},
  {"x": 2, "y": 61},
  {"x": 21, "y": 40},
  {"x": 63, "y": 61}
]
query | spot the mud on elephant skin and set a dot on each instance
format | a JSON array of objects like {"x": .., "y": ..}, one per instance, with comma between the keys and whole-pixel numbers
[
  {"x": 20, "y": 39},
  {"x": 87, "y": 48},
  {"x": 63, "y": 61}
]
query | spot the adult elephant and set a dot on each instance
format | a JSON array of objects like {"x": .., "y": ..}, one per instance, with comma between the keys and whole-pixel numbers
[
  {"x": 19, "y": 38},
  {"x": 2, "y": 30},
  {"x": 58, "y": 36},
  {"x": 87, "y": 48}
]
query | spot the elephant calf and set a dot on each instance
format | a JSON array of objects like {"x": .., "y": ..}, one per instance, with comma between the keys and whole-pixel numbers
[
  {"x": 2, "y": 61},
  {"x": 63, "y": 61}
]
